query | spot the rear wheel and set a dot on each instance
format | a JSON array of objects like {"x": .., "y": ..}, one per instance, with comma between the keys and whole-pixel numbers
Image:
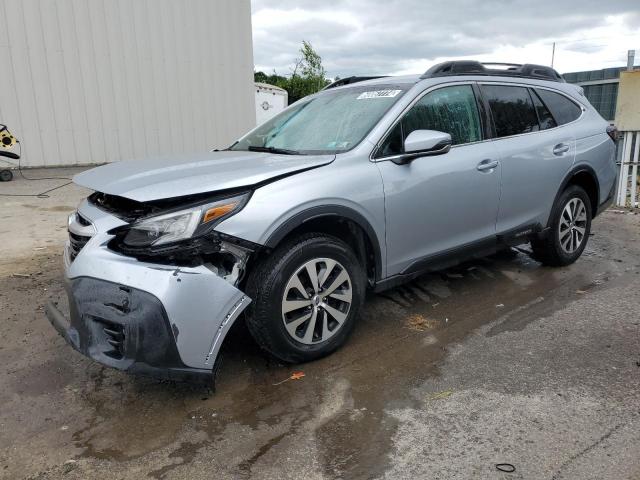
[
  {"x": 569, "y": 229},
  {"x": 306, "y": 297}
]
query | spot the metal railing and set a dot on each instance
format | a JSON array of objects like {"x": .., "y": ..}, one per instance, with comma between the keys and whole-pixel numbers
[{"x": 627, "y": 191}]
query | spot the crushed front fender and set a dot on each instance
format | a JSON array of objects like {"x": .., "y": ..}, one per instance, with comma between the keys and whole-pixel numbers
[{"x": 132, "y": 299}]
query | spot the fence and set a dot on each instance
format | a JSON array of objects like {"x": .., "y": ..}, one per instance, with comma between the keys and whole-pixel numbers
[{"x": 627, "y": 195}]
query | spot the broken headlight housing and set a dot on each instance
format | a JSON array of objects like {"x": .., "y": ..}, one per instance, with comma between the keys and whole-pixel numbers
[{"x": 181, "y": 224}]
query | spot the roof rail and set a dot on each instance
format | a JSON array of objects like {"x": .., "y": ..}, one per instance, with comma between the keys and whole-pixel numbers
[
  {"x": 349, "y": 80},
  {"x": 472, "y": 67}
]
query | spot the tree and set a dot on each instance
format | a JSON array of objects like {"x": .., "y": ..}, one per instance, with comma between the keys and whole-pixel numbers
[
  {"x": 307, "y": 76},
  {"x": 273, "y": 79},
  {"x": 260, "y": 77},
  {"x": 312, "y": 69}
]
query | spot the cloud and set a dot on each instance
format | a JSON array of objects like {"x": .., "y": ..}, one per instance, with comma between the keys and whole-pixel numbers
[{"x": 391, "y": 36}]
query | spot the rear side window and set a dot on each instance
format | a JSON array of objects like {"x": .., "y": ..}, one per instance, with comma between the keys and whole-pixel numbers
[
  {"x": 512, "y": 109},
  {"x": 544, "y": 115},
  {"x": 562, "y": 109}
]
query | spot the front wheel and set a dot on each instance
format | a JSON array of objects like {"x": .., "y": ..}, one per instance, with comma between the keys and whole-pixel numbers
[
  {"x": 569, "y": 229},
  {"x": 306, "y": 297}
]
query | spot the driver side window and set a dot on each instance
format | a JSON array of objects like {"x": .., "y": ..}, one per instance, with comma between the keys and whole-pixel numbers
[{"x": 452, "y": 110}]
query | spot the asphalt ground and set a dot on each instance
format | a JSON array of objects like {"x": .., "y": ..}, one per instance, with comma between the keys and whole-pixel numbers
[{"x": 499, "y": 360}]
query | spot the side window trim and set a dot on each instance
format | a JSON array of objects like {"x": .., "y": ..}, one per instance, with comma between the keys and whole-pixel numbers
[
  {"x": 373, "y": 155},
  {"x": 508, "y": 84},
  {"x": 531, "y": 94},
  {"x": 534, "y": 95},
  {"x": 489, "y": 129}
]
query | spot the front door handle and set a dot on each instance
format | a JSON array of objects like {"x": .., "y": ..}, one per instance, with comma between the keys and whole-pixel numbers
[
  {"x": 561, "y": 149},
  {"x": 487, "y": 165}
]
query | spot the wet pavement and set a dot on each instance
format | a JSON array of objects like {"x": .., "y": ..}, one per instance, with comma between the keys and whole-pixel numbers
[{"x": 499, "y": 360}]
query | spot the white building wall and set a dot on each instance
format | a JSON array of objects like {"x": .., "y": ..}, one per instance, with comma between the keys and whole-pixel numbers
[{"x": 94, "y": 81}]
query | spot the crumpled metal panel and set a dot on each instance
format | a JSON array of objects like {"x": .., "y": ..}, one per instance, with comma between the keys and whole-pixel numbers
[
  {"x": 173, "y": 176},
  {"x": 200, "y": 305}
]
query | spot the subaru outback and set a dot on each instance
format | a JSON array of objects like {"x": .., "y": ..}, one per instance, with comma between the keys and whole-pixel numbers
[{"x": 362, "y": 186}]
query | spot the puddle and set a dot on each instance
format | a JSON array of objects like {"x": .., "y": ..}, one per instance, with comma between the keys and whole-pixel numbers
[
  {"x": 343, "y": 401},
  {"x": 401, "y": 339},
  {"x": 57, "y": 208},
  {"x": 185, "y": 453},
  {"x": 41, "y": 379},
  {"x": 131, "y": 417}
]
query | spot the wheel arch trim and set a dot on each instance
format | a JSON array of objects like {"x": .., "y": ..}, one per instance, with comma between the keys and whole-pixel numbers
[
  {"x": 320, "y": 211},
  {"x": 576, "y": 170}
]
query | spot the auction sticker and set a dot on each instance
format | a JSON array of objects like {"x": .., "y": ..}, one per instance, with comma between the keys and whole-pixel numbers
[{"x": 379, "y": 94}]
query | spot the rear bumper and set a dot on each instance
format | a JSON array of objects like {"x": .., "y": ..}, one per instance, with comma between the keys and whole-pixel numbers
[{"x": 607, "y": 203}]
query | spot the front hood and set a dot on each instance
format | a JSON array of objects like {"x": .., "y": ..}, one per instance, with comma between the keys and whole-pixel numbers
[{"x": 177, "y": 176}]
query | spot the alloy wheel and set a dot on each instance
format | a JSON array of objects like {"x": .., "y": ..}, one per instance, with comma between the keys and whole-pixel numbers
[
  {"x": 572, "y": 226},
  {"x": 316, "y": 301}
]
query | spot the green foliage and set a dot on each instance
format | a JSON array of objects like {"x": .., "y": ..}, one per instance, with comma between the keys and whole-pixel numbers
[
  {"x": 273, "y": 79},
  {"x": 308, "y": 75}
]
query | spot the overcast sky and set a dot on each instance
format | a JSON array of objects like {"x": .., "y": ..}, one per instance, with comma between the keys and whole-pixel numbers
[{"x": 407, "y": 36}]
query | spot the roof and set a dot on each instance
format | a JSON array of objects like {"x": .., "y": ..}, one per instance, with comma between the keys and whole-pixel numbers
[
  {"x": 386, "y": 81},
  {"x": 466, "y": 68},
  {"x": 472, "y": 67},
  {"x": 268, "y": 86},
  {"x": 348, "y": 80},
  {"x": 399, "y": 79}
]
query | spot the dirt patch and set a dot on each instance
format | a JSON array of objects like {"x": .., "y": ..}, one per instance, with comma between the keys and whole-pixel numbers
[
  {"x": 420, "y": 323},
  {"x": 56, "y": 208},
  {"x": 60, "y": 406}
]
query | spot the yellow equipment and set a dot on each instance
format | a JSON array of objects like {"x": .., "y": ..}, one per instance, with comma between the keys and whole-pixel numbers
[{"x": 7, "y": 142}]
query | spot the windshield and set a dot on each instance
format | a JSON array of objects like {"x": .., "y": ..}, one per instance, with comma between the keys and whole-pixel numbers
[{"x": 333, "y": 121}]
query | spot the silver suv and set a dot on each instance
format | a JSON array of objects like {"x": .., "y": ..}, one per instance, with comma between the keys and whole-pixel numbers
[{"x": 359, "y": 187}]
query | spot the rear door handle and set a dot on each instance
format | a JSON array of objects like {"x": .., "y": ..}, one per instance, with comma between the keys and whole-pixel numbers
[
  {"x": 487, "y": 164},
  {"x": 561, "y": 148}
]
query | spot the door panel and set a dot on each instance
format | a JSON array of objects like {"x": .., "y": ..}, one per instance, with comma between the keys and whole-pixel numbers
[
  {"x": 535, "y": 154},
  {"x": 533, "y": 167},
  {"x": 438, "y": 203}
]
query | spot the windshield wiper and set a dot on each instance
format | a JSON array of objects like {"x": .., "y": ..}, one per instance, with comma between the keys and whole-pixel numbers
[{"x": 283, "y": 151}]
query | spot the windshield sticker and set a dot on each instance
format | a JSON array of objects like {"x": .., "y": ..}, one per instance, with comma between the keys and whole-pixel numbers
[
  {"x": 379, "y": 94},
  {"x": 338, "y": 145}
]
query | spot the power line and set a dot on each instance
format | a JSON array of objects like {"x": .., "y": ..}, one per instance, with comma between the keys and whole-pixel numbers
[{"x": 569, "y": 41}]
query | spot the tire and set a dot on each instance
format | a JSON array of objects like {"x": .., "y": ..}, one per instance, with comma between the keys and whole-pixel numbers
[
  {"x": 567, "y": 236},
  {"x": 273, "y": 288},
  {"x": 6, "y": 175}
]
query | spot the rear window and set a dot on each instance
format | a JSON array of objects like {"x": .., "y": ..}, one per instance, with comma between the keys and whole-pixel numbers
[
  {"x": 562, "y": 109},
  {"x": 512, "y": 109}
]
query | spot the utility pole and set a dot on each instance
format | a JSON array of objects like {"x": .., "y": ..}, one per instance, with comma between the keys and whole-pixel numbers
[{"x": 553, "y": 53}]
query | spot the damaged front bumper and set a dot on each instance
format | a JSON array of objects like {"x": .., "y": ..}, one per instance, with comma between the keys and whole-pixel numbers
[{"x": 143, "y": 317}]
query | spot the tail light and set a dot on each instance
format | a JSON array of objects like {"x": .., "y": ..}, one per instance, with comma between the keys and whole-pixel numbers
[{"x": 612, "y": 131}]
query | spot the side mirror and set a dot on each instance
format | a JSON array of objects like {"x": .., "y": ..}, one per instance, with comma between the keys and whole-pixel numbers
[{"x": 423, "y": 143}]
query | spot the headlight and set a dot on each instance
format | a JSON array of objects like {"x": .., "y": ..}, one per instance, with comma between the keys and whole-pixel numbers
[{"x": 182, "y": 224}]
